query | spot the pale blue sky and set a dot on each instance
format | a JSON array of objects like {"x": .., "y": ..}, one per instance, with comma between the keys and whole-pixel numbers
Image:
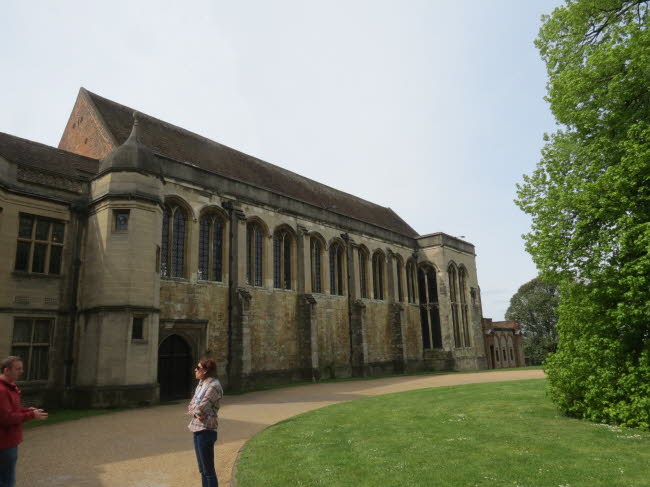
[{"x": 432, "y": 108}]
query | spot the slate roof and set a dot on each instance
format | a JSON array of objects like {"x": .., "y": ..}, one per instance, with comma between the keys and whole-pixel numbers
[
  {"x": 43, "y": 157},
  {"x": 182, "y": 145}
]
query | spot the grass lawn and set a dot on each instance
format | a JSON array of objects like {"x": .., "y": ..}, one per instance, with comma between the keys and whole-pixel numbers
[{"x": 496, "y": 434}]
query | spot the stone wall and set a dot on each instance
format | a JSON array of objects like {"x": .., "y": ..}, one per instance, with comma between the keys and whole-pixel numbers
[
  {"x": 34, "y": 295},
  {"x": 379, "y": 334},
  {"x": 186, "y": 302},
  {"x": 274, "y": 333},
  {"x": 412, "y": 335},
  {"x": 333, "y": 336}
]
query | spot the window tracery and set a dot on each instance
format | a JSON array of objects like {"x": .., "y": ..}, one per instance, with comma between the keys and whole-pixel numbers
[
  {"x": 282, "y": 242},
  {"x": 336, "y": 269},
  {"x": 172, "y": 263},
  {"x": 378, "y": 275},
  {"x": 453, "y": 297},
  {"x": 464, "y": 308},
  {"x": 254, "y": 254},
  {"x": 400, "y": 272},
  {"x": 363, "y": 273},
  {"x": 316, "y": 250},
  {"x": 429, "y": 308}
]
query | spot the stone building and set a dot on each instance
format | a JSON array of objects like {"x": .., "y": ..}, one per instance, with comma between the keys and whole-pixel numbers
[
  {"x": 504, "y": 344},
  {"x": 137, "y": 246}
]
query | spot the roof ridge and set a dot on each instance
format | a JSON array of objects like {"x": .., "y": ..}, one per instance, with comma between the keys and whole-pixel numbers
[
  {"x": 62, "y": 151},
  {"x": 159, "y": 121},
  {"x": 182, "y": 145},
  {"x": 206, "y": 139},
  {"x": 394, "y": 213}
]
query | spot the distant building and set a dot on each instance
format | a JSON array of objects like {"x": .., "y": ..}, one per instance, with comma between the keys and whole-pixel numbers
[
  {"x": 504, "y": 344},
  {"x": 136, "y": 247}
]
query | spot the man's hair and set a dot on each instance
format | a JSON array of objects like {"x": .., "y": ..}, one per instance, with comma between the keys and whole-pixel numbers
[
  {"x": 9, "y": 362},
  {"x": 210, "y": 367}
]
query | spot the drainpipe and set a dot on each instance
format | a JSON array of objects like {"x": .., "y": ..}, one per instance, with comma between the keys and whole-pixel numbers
[
  {"x": 73, "y": 295},
  {"x": 227, "y": 205},
  {"x": 346, "y": 239}
]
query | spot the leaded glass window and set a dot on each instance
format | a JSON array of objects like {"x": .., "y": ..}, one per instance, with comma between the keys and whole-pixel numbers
[
  {"x": 363, "y": 273},
  {"x": 336, "y": 269},
  {"x": 316, "y": 270},
  {"x": 164, "y": 247},
  {"x": 31, "y": 342},
  {"x": 211, "y": 247},
  {"x": 400, "y": 290},
  {"x": 453, "y": 298},
  {"x": 429, "y": 307},
  {"x": 378, "y": 275},
  {"x": 174, "y": 224},
  {"x": 254, "y": 241},
  {"x": 464, "y": 308},
  {"x": 282, "y": 260},
  {"x": 40, "y": 245}
]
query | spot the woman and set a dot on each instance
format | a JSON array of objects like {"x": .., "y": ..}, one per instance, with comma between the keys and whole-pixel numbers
[{"x": 203, "y": 408}]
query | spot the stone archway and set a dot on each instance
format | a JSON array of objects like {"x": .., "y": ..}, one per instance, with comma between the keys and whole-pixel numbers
[{"x": 175, "y": 368}]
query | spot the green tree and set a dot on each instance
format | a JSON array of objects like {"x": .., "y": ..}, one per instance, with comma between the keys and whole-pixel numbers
[
  {"x": 589, "y": 199},
  {"x": 534, "y": 306}
]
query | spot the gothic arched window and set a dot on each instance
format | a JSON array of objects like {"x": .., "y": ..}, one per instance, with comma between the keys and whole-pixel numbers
[
  {"x": 363, "y": 272},
  {"x": 464, "y": 308},
  {"x": 282, "y": 242},
  {"x": 429, "y": 307},
  {"x": 316, "y": 250},
  {"x": 378, "y": 275},
  {"x": 254, "y": 253},
  {"x": 400, "y": 272},
  {"x": 336, "y": 269},
  {"x": 172, "y": 249},
  {"x": 211, "y": 247},
  {"x": 453, "y": 297}
]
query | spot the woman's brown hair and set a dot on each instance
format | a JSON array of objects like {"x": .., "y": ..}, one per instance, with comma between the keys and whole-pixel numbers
[{"x": 210, "y": 367}]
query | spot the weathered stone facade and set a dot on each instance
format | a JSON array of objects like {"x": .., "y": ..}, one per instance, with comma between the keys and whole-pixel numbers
[{"x": 176, "y": 247}]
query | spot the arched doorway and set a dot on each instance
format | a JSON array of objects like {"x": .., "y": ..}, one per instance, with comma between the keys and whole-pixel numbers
[
  {"x": 429, "y": 312},
  {"x": 175, "y": 368}
]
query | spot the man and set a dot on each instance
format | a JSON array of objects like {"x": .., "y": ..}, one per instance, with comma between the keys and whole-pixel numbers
[{"x": 12, "y": 416}]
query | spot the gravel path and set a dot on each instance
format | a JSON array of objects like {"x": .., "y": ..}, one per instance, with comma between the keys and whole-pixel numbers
[{"x": 152, "y": 447}]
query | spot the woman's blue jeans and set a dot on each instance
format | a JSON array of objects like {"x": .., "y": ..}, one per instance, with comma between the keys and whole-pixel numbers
[{"x": 204, "y": 447}]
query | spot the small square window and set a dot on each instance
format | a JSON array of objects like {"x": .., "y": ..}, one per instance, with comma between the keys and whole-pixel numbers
[
  {"x": 121, "y": 219},
  {"x": 137, "y": 330}
]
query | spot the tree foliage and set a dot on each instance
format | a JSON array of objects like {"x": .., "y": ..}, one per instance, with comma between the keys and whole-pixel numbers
[
  {"x": 589, "y": 199},
  {"x": 534, "y": 306}
]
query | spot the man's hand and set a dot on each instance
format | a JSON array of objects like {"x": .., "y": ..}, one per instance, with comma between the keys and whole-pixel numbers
[{"x": 40, "y": 415}]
